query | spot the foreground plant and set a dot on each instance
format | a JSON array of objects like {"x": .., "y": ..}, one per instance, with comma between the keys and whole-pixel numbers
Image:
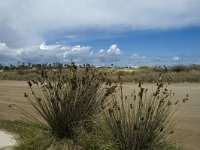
[
  {"x": 66, "y": 100},
  {"x": 142, "y": 121}
]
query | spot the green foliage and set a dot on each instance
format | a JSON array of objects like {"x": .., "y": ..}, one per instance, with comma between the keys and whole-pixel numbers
[
  {"x": 15, "y": 126},
  {"x": 171, "y": 146},
  {"x": 30, "y": 137},
  {"x": 33, "y": 139},
  {"x": 97, "y": 139}
]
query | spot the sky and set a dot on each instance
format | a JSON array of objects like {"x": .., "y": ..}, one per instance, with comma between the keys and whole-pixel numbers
[{"x": 100, "y": 32}]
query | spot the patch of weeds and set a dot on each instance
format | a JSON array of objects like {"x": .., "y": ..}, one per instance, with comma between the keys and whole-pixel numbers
[
  {"x": 29, "y": 137},
  {"x": 96, "y": 139},
  {"x": 172, "y": 146}
]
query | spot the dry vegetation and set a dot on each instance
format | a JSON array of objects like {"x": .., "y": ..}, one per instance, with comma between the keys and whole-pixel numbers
[{"x": 175, "y": 74}]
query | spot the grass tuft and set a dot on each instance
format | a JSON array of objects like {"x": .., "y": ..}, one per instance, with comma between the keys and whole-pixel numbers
[
  {"x": 142, "y": 121},
  {"x": 66, "y": 100}
]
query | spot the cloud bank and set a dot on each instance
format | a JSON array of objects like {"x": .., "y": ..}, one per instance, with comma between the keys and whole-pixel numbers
[
  {"x": 58, "y": 53},
  {"x": 44, "y": 53},
  {"x": 26, "y": 22}
]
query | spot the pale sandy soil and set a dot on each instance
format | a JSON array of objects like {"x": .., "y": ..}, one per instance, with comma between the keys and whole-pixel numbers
[
  {"x": 6, "y": 140},
  {"x": 188, "y": 127}
]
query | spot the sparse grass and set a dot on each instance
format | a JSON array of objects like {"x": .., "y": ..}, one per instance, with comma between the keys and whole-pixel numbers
[{"x": 29, "y": 137}]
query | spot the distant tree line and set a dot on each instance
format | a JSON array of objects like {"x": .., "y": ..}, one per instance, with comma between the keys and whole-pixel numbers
[{"x": 58, "y": 65}]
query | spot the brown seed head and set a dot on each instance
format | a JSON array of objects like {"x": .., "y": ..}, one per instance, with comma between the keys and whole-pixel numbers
[
  {"x": 25, "y": 95},
  {"x": 29, "y": 83}
]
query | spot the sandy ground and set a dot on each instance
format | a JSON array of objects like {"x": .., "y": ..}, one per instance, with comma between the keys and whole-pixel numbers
[
  {"x": 6, "y": 140},
  {"x": 188, "y": 128}
]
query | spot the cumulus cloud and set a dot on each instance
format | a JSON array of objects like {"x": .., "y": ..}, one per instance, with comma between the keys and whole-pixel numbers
[
  {"x": 80, "y": 54},
  {"x": 27, "y": 22},
  {"x": 57, "y": 53},
  {"x": 111, "y": 55}
]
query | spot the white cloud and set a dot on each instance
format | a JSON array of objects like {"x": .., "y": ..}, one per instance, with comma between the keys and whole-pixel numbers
[
  {"x": 57, "y": 53},
  {"x": 3, "y": 45},
  {"x": 113, "y": 50},
  {"x": 79, "y": 54},
  {"x": 111, "y": 55},
  {"x": 137, "y": 57},
  {"x": 176, "y": 58},
  {"x": 43, "y": 46},
  {"x": 27, "y": 22}
]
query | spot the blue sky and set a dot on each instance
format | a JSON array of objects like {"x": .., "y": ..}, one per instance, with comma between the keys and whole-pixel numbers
[{"x": 131, "y": 33}]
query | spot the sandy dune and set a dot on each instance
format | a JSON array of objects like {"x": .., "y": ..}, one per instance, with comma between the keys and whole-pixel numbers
[{"x": 188, "y": 128}]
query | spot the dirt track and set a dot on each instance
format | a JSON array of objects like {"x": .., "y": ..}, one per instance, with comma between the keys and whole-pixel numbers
[{"x": 188, "y": 128}]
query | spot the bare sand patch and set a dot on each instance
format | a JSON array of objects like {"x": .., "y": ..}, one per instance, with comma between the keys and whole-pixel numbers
[{"x": 6, "y": 140}]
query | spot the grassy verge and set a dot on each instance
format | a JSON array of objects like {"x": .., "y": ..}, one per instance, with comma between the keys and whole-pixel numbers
[
  {"x": 27, "y": 135},
  {"x": 30, "y": 138}
]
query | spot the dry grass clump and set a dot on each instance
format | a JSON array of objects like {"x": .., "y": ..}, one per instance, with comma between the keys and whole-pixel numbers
[{"x": 142, "y": 121}]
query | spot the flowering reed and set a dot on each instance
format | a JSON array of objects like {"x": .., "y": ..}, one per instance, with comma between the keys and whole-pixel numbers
[
  {"x": 65, "y": 100},
  {"x": 142, "y": 121}
]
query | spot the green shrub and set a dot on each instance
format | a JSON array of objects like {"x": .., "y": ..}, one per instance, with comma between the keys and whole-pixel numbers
[{"x": 142, "y": 121}]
